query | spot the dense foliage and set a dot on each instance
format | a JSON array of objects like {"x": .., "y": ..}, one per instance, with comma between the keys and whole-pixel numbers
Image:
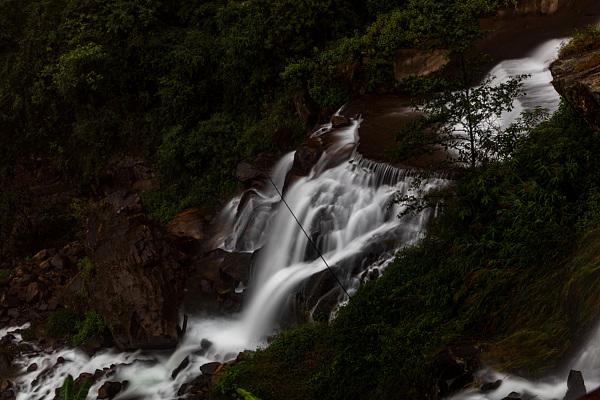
[
  {"x": 506, "y": 265},
  {"x": 195, "y": 86}
]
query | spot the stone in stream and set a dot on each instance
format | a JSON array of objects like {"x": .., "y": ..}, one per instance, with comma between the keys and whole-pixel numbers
[
  {"x": 490, "y": 386},
  {"x": 110, "y": 389},
  {"x": 184, "y": 363},
  {"x": 210, "y": 368},
  {"x": 575, "y": 386}
]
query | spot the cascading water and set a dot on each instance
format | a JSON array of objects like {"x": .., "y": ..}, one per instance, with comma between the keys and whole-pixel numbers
[{"x": 345, "y": 203}]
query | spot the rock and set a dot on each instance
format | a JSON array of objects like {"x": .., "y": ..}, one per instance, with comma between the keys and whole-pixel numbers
[
  {"x": 32, "y": 292},
  {"x": 246, "y": 172},
  {"x": 81, "y": 380},
  {"x": 128, "y": 173},
  {"x": 188, "y": 224},
  {"x": 454, "y": 368},
  {"x": 306, "y": 157},
  {"x": 210, "y": 368},
  {"x": 57, "y": 261},
  {"x": 539, "y": 6},
  {"x": 339, "y": 121},
  {"x": 575, "y": 386},
  {"x": 109, "y": 390},
  {"x": 490, "y": 386},
  {"x": 415, "y": 62},
  {"x": 5, "y": 363},
  {"x": 32, "y": 368},
  {"x": 513, "y": 396},
  {"x": 182, "y": 365},
  {"x": 576, "y": 78},
  {"x": 41, "y": 255},
  {"x": 139, "y": 281}
]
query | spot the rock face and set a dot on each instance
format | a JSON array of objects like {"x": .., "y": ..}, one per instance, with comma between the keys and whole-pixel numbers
[
  {"x": 577, "y": 79},
  {"x": 575, "y": 386},
  {"x": 414, "y": 62},
  {"x": 138, "y": 280},
  {"x": 541, "y": 6}
]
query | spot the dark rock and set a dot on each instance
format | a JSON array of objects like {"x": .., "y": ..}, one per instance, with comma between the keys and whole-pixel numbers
[
  {"x": 32, "y": 368},
  {"x": 575, "y": 386},
  {"x": 81, "y": 380},
  {"x": 182, "y": 365},
  {"x": 490, "y": 386},
  {"x": 32, "y": 292},
  {"x": 5, "y": 363},
  {"x": 577, "y": 79},
  {"x": 246, "y": 172},
  {"x": 41, "y": 256},
  {"x": 189, "y": 224},
  {"x": 109, "y": 390},
  {"x": 415, "y": 62},
  {"x": 453, "y": 369},
  {"x": 57, "y": 261},
  {"x": 141, "y": 284},
  {"x": 210, "y": 368},
  {"x": 339, "y": 121},
  {"x": 306, "y": 157},
  {"x": 513, "y": 396},
  {"x": 60, "y": 360}
]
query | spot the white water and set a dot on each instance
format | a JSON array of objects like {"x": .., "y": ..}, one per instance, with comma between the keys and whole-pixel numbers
[{"x": 345, "y": 204}]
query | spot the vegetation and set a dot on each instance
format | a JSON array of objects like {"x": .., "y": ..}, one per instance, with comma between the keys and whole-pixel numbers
[
  {"x": 68, "y": 390},
  {"x": 195, "y": 87},
  {"x": 585, "y": 40},
  {"x": 65, "y": 324},
  {"x": 504, "y": 267}
]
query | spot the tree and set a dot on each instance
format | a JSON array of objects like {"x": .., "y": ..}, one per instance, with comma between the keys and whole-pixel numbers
[{"x": 465, "y": 119}]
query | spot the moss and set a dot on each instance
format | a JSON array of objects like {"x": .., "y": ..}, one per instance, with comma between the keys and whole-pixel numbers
[
  {"x": 86, "y": 267},
  {"x": 90, "y": 326},
  {"x": 585, "y": 40},
  {"x": 61, "y": 323}
]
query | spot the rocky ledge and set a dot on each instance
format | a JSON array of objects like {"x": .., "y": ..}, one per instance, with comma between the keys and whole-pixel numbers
[{"x": 577, "y": 78}]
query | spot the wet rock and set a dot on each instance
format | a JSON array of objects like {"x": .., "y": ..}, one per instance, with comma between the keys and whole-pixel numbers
[
  {"x": 188, "y": 224},
  {"x": 490, "y": 386},
  {"x": 306, "y": 157},
  {"x": 32, "y": 292},
  {"x": 41, "y": 255},
  {"x": 182, "y": 365},
  {"x": 576, "y": 78},
  {"x": 513, "y": 396},
  {"x": 246, "y": 172},
  {"x": 453, "y": 369},
  {"x": 141, "y": 285},
  {"x": 415, "y": 62},
  {"x": 57, "y": 261},
  {"x": 339, "y": 121},
  {"x": 575, "y": 386},
  {"x": 81, "y": 380},
  {"x": 210, "y": 368},
  {"x": 109, "y": 390},
  {"x": 32, "y": 368}
]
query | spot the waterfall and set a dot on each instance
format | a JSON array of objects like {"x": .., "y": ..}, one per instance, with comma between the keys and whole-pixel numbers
[{"x": 345, "y": 204}]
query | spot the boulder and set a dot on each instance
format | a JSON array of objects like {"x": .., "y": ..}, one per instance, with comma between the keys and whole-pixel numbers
[
  {"x": 246, "y": 172},
  {"x": 306, "y": 157},
  {"x": 339, "y": 121},
  {"x": 138, "y": 281},
  {"x": 453, "y": 369},
  {"x": 109, "y": 390},
  {"x": 577, "y": 79},
  {"x": 182, "y": 365},
  {"x": 490, "y": 386},
  {"x": 575, "y": 386},
  {"x": 210, "y": 368},
  {"x": 414, "y": 62},
  {"x": 188, "y": 224}
]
